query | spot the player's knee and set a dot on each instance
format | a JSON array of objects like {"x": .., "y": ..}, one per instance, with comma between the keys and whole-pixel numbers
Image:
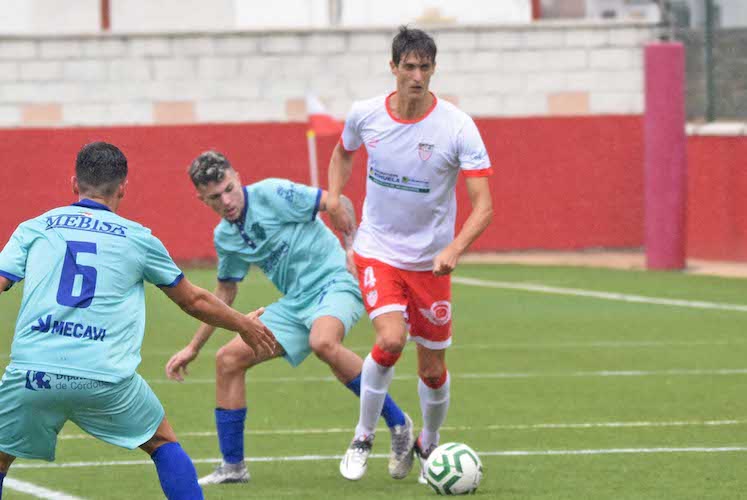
[
  {"x": 432, "y": 376},
  {"x": 228, "y": 361},
  {"x": 391, "y": 343},
  {"x": 391, "y": 338},
  {"x": 323, "y": 347}
]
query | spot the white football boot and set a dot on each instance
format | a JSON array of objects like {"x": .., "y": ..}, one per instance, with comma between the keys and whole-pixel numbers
[
  {"x": 355, "y": 461},
  {"x": 402, "y": 455},
  {"x": 423, "y": 458},
  {"x": 227, "y": 473}
]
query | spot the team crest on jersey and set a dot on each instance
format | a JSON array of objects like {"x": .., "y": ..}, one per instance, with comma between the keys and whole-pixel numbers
[
  {"x": 37, "y": 380},
  {"x": 372, "y": 297},
  {"x": 425, "y": 150},
  {"x": 258, "y": 231},
  {"x": 439, "y": 314}
]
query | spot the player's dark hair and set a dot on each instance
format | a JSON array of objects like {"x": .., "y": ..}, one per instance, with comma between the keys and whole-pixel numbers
[
  {"x": 210, "y": 166},
  {"x": 415, "y": 41},
  {"x": 100, "y": 168}
]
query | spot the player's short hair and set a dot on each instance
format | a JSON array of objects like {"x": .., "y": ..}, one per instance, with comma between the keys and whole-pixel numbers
[
  {"x": 100, "y": 168},
  {"x": 210, "y": 166},
  {"x": 411, "y": 40}
]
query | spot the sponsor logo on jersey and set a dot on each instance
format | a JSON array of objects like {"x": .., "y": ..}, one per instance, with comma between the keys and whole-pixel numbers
[
  {"x": 373, "y": 142},
  {"x": 439, "y": 314},
  {"x": 37, "y": 380},
  {"x": 271, "y": 262},
  {"x": 372, "y": 297},
  {"x": 425, "y": 151},
  {"x": 394, "y": 181},
  {"x": 69, "y": 329},
  {"x": 83, "y": 222},
  {"x": 288, "y": 194},
  {"x": 479, "y": 155}
]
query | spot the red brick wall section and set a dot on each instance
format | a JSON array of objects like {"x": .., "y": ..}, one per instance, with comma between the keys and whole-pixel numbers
[{"x": 559, "y": 183}]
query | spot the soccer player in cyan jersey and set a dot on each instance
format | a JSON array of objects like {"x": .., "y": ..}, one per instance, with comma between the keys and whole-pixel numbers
[
  {"x": 405, "y": 248},
  {"x": 81, "y": 324},
  {"x": 273, "y": 225}
]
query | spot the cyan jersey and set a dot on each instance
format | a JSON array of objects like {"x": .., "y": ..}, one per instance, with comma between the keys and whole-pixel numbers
[
  {"x": 83, "y": 308},
  {"x": 280, "y": 233}
]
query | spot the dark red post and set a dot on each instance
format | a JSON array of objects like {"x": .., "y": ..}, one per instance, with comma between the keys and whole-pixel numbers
[{"x": 665, "y": 157}]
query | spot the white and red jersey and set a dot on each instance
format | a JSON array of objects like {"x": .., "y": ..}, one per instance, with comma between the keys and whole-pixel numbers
[{"x": 410, "y": 208}]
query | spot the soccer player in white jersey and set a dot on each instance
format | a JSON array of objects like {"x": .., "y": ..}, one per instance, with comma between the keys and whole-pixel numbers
[
  {"x": 405, "y": 248},
  {"x": 273, "y": 225},
  {"x": 81, "y": 324}
]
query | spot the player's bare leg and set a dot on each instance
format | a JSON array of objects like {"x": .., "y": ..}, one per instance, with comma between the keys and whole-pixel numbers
[
  {"x": 231, "y": 363},
  {"x": 325, "y": 341},
  {"x": 433, "y": 389},
  {"x": 5, "y": 461},
  {"x": 175, "y": 469},
  {"x": 376, "y": 377},
  {"x": 327, "y": 334}
]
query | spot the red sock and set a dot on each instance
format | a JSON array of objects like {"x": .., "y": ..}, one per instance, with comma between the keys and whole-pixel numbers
[{"x": 384, "y": 358}]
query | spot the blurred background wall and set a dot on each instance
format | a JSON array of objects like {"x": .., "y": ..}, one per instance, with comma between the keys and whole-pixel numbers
[{"x": 556, "y": 88}]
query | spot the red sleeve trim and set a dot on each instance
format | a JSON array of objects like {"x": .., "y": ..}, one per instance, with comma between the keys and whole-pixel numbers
[{"x": 483, "y": 172}]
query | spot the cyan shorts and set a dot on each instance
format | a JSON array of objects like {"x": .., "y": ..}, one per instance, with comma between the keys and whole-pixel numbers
[
  {"x": 35, "y": 405},
  {"x": 290, "y": 318}
]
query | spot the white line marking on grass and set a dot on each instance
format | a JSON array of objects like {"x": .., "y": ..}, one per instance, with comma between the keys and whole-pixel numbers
[
  {"x": 621, "y": 297},
  {"x": 496, "y": 375},
  {"x": 461, "y": 428},
  {"x": 310, "y": 458},
  {"x": 592, "y": 344},
  {"x": 34, "y": 490}
]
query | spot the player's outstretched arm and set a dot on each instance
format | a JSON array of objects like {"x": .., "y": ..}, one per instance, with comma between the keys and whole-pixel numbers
[
  {"x": 347, "y": 238},
  {"x": 203, "y": 305},
  {"x": 340, "y": 168},
  {"x": 176, "y": 367},
  {"x": 479, "y": 219}
]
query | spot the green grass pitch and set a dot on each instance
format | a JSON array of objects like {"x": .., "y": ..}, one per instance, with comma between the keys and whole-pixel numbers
[{"x": 563, "y": 395}]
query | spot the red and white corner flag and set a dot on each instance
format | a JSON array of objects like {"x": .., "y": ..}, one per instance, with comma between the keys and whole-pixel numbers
[
  {"x": 320, "y": 120},
  {"x": 320, "y": 123}
]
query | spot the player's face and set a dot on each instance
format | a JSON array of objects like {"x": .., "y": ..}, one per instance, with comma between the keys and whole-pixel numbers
[
  {"x": 226, "y": 197},
  {"x": 413, "y": 75}
]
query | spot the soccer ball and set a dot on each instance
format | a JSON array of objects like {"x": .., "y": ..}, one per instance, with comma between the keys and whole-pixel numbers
[{"x": 453, "y": 469}]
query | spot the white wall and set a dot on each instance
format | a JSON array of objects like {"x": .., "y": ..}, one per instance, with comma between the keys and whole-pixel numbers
[
  {"x": 539, "y": 69},
  {"x": 395, "y": 12},
  {"x": 49, "y": 16},
  {"x": 159, "y": 16}
]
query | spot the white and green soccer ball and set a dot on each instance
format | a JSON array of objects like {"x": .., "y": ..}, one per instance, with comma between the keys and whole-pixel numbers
[{"x": 453, "y": 469}]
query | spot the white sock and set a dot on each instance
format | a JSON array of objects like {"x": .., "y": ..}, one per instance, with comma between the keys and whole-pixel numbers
[
  {"x": 434, "y": 404},
  {"x": 375, "y": 381}
]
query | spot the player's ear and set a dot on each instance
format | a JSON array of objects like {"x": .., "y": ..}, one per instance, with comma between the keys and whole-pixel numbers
[
  {"x": 74, "y": 182},
  {"x": 392, "y": 67},
  {"x": 121, "y": 189}
]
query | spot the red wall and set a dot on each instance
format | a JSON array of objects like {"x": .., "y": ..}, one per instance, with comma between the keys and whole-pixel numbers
[
  {"x": 717, "y": 198},
  {"x": 559, "y": 183}
]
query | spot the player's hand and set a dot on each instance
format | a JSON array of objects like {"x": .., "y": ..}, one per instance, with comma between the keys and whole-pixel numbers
[
  {"x": 445, "y": 262},
  {"x": 339, "y": 217},
  {"x": 176, "y": 368},
  {"x": 350, "y": 262},
  {"x": 256, "y": 334}
]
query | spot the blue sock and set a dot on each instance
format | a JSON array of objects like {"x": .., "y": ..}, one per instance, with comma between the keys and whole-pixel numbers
[
  {"x": 2, "y": 476},
  {"x": 230, "y": 425},
  {"x": 177, "y": 473},
  {"x": 391, "y": 412}
]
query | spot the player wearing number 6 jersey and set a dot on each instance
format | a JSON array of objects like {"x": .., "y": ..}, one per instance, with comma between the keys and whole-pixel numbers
[
  {"x": 405, "y": 247},
  {"x": 81, "y": 324}
]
